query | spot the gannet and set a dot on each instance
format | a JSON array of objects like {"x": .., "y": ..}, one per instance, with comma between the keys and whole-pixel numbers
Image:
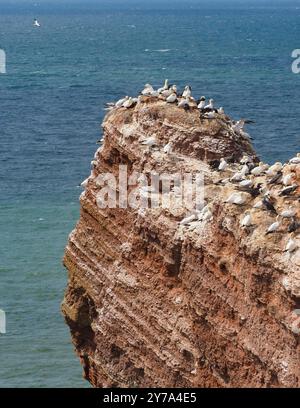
[
  {"x": 221, "y": 110},
  {"x": 150, "y": 141},
  {"x": 245, "y": 159},
  {"x": 36, "y": 23},
  {"x": 289, "y": 213},
  {"x": 246, "y": 220},
  {"x": 258, "y": 205},
  {"x": 240, "y": 175},
  {"x": 259, "y": 169},
  {"x": 246, "y": 183},
  {"x": 275, "y": 179},
  {"x": 148, "y": 89},
  {"x": 172, "y": 98},
  {"x": 275, "y": 168},
  {"x": 184, "y": 103},
  {"x": 245, "y": 169},
  {"x": 223, "y": 165},
  {"x": 296, "y": 159},
  {"x": 187, "y": 93},
  {"x": 288, "y": 190},
  {"x": 166, "y": 86},
  {"x": 168, "y": 148},
  {"x": 294, "y": 225},
  {"x": 273, "y": 227},
  {"x": 120, "y": 102},
  {"x": 291, "y": 245},
  {"x": 128, "y": 103},
  {"x": 210, "y": 115},
  {"x": 236, "y": 198},
  {"x": 268, "y": 205},
  {"x": 210, "y": 105},
  {"x": 172, "y": 89},
  {"x": 201, "y": 104},
  {"x": 188, "y": 219},
  {"x": 287, "y": 179}
]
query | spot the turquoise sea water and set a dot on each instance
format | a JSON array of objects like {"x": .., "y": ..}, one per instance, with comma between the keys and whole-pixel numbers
[{"x": 58, "y": 78}]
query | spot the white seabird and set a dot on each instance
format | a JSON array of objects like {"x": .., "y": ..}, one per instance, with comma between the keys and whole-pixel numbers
[
  {"x": 291, "y": 245},
  {"x": 258, "y": 170},
  {"x": 201, "y": 104},
  {"x": 236, "y": 198},
  {"x": 273, "y": 227},
  {"x": 36, "y": 23},
  {"x": 221, "y": 110},
  {"x": 289, "y": 213},
  {"x": 184, "y": 103},
  {"x": 188, "y": 219},
  {"x": 168, "y": 148},
  {"x": 296, "y": 159},
  {"x": 169, "y": 91},
  {"x": 120, "y": 102},
  {"x": 128, "y": 104},
  {"x": 164, "y": 88},
  {"x": 148, "y": 89},
  {"x": 210, "y": 115},
  {"x": 187, "y": 93},
  {"x": 258, "y": 205},
  {"x": 172, "y": 98},
  {"x": 246, "y": 183},
  {"x": 287, "y": 179},
  {"x": 275, "y": 168},
  {"x": 150, "y": 141},
  {"x": 246, "y": 220},
  {"x": 223, "y": 165},
  {"x": 210, "y": 105}
]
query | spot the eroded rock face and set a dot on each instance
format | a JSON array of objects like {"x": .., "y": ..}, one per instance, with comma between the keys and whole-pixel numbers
[{"x": 152, "y": 303}]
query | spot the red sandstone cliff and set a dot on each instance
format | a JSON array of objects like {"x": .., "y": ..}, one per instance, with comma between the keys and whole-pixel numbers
[{"x": 154, "y": 303}]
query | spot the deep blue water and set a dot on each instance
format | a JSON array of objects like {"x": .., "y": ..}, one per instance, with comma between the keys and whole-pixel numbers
[{"x": 58, "y": 78}]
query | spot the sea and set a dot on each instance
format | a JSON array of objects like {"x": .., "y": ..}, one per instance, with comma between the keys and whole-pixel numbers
[{"x": 58, "y": 78}]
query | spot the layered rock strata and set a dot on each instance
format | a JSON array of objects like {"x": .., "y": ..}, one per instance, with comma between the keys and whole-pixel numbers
[{"x": 151, "y": 302}]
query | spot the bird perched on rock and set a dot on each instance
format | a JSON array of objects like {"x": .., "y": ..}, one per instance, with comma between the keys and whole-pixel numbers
[
  {"x": 288, "y": 190},
  {"x": 210, "y": 106},
  {"x": 291, "y": 245},
  {"x": 294, "y": 225},
  {"x": 201, "y": 103},
  {"x": 184, "y": 103},
  {"x": 257, "y": 171},
  {"x": 273, "y": 227},
  {"x": 187, "y": 93},
  {"x": 164, "y": 88},
  {"x": 276, "y": 178},
  {"x": 236, "y": 198},
  {"x": 168, "y": 148},
  {"x": 223, "y": 165},
  {"x": 210, "y": 115},
  {"x": 296, "y": 159},
  {"x": 128, "y": 103},
  {"x": 289, "y": 213},
  {"x": 121, "y": 101},
  {"x": 172, "y": 98},
  {"x": 188, "y": 219},
  {"x": 274, "y": 169},
  {"x": 150, "y": 141},
  {"x": 268, "y": 204},
  {"x": 246, "y": 220},
  {"x": 148, "y": 89}
]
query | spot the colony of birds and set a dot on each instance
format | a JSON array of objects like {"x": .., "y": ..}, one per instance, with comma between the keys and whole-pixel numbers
[{"x": 257, "y": 184}]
